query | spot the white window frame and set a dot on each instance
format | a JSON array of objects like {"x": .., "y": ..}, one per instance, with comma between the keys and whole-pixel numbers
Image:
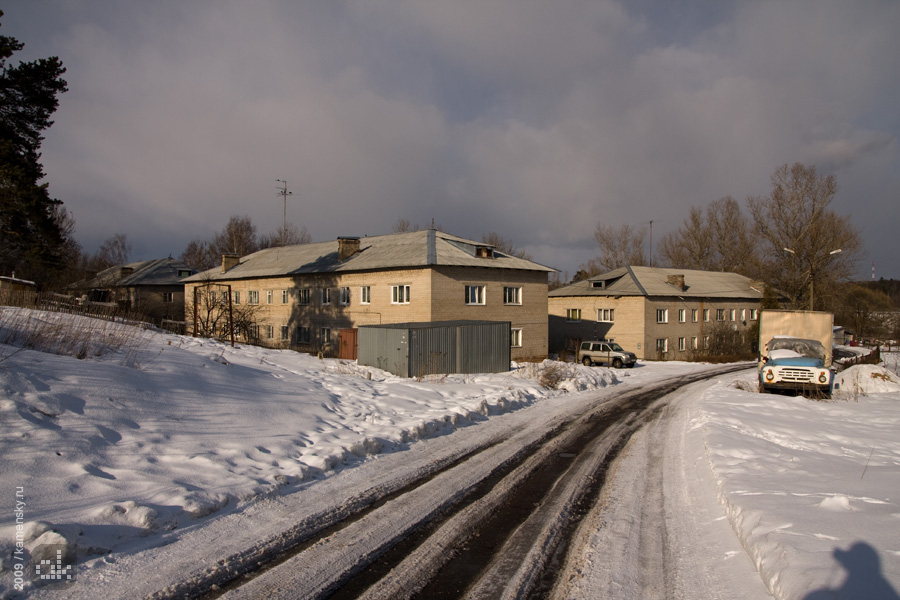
[
  {"x": 236, "y": 298},
  {"x": 345, "y": 296},
  {"x": 515, "y": 337},
  {"x": 512, "y": 295},
  {"x": 733, "y": 314},
  {"x": 365, "y": 294},
  {"x": 693, "y": 343},
  {"x": 752, "y": 314},
  {"x": 253, "y": 297},
  {"x": 720, "y": 314},
  {"x": 400, "y": 293},
  {"x": 305, "y": 296},
  {"x": 270, "y": 296},
  {"x": 681, "y": 344},
  {"x": 475, "y": 295},
  {"x": 325, "y": 335},
  {"x": 270, "y": 332},
  {"x": 168, "y": 297},
  {"x": 706, "y": 315},
  {"x": 573, "y": 315},
  {"x": 694, "y": 315},
  {"x": 325, "y": 296},
  {"x": 606, "y": 315},
  {"x": 682, "y": 315},
  {"x": 285, "y": 333},
  {"x": 662, "y": 315},
  {"x": 284, "y": 296},
  {"x": 665, "y": 345}
]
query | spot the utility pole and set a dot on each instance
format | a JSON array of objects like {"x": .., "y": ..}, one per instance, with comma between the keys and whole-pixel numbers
[{"x": 284, "y": 193}]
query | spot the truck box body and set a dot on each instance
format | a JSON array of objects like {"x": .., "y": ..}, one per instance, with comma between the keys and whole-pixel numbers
[{"x": 795, "y": 351}]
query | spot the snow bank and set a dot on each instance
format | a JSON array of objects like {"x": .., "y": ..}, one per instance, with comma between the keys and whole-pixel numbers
[
  {"x": 811, "y": 487},
  {"x": 116, "y": 447}
]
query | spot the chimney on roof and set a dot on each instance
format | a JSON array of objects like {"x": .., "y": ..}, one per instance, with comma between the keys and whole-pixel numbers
[
  {"x": 230, "y": 261},
  {"x": 677, "y": 281},
  {"x": 347, "y": 247}
]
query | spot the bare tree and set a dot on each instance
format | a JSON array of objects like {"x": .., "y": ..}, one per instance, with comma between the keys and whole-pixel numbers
[
  {"x": 718, "y": 239},
  {"x": 619, "y": 247},
  {"x": 805, "y": 244},
  {"x": 288, "y": 235},
  {"x": 238, "y": 237},
  {"x": 114, "y": 251},
  {"x": 200, "y": 255},
  {"x": 503, "y": 245},
  {"x": 404, "y": 226}
]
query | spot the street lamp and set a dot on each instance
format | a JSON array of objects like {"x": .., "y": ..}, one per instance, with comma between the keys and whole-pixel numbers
[{"x": 811, "y": 276}]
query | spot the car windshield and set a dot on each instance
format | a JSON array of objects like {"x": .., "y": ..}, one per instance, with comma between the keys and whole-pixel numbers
[
  {"x": 795, "y": 348},
  {"x": 615, "y": 347}
]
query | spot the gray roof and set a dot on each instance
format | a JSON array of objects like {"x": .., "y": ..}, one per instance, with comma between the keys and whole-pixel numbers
[
  {"x": 160, "y": 271},
  {"x": 395, "y": 251},
  {"x": 655, "y": 281}
]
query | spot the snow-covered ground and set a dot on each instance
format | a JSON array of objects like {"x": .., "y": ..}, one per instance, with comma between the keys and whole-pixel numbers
[{"x": 151, "y": 437}]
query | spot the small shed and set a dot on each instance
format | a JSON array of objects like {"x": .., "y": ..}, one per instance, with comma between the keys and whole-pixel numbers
[{"x": 418, "y": 349}]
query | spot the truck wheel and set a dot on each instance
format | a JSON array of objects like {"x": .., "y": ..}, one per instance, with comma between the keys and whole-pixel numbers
[
  {"x": 586, "y": 361},
  {"x": 617, "y": 363}
]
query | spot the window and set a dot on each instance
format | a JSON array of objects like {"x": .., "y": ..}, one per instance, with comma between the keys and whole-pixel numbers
[
  {"x": 693, "y": 315},
  {"x": 254, "y": 332},
  {"x": 515, "y": 338},
  {"x": 253, "y": 297},
  {"x": 474, "y": 294},
  {"x": 325, "y": 335},
  {"x": 285, "y": 333},
  {"x": 326, "y": 295},
  {"x": 720, "y": 314},
  {"x": 573, "y": 315},
  {"x": 284, "y": 296},
  {"x": 168, "y": 297},
  {"x": 400, "y": 294},
  {"x": 345, "y": 296},
  {"x": 705, "y": 315},
  {"x": 743, "y": 314},
  {"x": 365, "y": 295},
  {"x": 682, "y": 314},
  {"x": 305, "y": 296},
  {"x": 237, "y": 297},
  {"x": 606, "y": 315},
  {"x": 302, "y": 335},
  {"x": 693, "y": 343},
  {"x": 662, "y": 345},
  {"x": 512, "y": 295},
  {"x": 270, "y": 332},
  {"x": 752, "y": 314},
  {"x": 733, "y": 314},
  {"x": 681, "y": 345},
  {"x": 270, "y": 296},
  {"x": 662, "y": 315}
]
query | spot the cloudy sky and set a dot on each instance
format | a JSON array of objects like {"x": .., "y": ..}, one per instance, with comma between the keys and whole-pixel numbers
[{"x": 534, "y": 119}]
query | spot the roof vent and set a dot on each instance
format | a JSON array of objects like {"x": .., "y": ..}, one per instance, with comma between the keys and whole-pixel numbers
[
  {"x": 484, "y": 251},
  {"x": 347, "y": 247},
  {"x": 598, "y": 284},
  {"x": 677, "y": 281},
  {"x": 125, "y": 271}
]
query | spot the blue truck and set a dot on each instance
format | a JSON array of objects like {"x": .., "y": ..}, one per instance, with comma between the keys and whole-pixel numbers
[{"x": 795, "y": 352}]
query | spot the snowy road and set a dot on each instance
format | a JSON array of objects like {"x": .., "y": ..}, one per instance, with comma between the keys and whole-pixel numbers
[{"x": 490, "y": 518}]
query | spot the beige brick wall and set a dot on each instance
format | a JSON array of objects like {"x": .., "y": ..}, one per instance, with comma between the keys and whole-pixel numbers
[
  {"x": 449, "y": 289},
  {"x": 627, "y": 327},
  {"x": 635, "y": 327},
  {"x": 435, "y": 295}
]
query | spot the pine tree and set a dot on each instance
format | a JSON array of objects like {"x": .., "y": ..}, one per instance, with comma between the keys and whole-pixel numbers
[{"x": 32, "y": 236}]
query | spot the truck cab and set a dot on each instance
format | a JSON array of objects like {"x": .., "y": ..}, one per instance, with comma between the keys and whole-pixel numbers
[
  {"x": 792, "y": 363},
  {"x": 604, "y": 352}
]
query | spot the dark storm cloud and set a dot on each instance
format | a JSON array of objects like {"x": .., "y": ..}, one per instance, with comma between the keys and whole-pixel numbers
[{"x": 533, "y": 119}]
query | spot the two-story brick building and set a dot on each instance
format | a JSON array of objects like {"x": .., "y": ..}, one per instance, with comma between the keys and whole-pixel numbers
[
  {"x": 657, "y": 313},
  {"x": 303, "y": 295}
]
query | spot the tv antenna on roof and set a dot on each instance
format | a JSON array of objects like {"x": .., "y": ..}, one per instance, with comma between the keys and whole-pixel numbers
[{"x": 284, "y": 193}]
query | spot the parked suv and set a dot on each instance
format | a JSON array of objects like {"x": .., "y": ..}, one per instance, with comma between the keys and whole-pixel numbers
[{"x": 605, "y": 353}]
